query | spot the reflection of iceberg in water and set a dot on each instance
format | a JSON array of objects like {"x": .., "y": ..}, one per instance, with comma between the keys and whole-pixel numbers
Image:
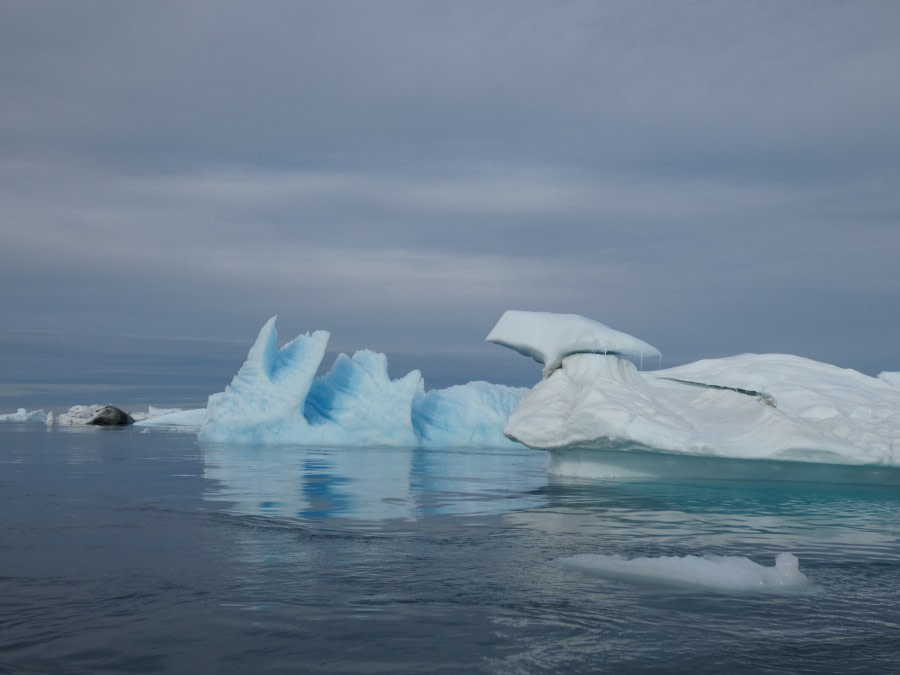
[
  {"x": 371, "y": 484},
  {"x": 476, "y": 481},
  {"x": 311, "y": 483}
]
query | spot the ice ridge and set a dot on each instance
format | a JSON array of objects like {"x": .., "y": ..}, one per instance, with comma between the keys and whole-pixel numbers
[{"x": 276, "y": 398}]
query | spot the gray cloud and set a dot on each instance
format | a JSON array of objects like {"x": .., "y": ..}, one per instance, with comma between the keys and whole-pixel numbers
[{"x": 713, "y": 178}]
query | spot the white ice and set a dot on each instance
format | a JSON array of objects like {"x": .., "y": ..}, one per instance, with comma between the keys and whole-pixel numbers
[
  {"x": 80, "y": 415},
  {"x": 23, "y": 415},
  {"x": 276, "y": 398},
  {"x": 170, "y": 417},
  {"x": 890, "y": 378},
  {"x": 548, "y": 338},
  {"x": 719, "y": 573},
  {"x": 769, "y": 406}
]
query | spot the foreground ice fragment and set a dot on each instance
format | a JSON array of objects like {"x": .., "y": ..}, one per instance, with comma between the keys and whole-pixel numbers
[{"x": 721, "y": 573}]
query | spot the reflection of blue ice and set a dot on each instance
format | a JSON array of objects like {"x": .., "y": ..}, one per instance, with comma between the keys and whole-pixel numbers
[
  {"x": 372, "y": 484},
  {"x": 486, "y": 480},
  {"x": 322, "y": 489}
]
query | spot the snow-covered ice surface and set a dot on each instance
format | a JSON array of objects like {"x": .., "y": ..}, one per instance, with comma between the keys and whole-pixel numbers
[
  {"x": 277, "y": 398},
  {"x": 752, "y": 406},
  {"x": 712, "y": 572},
  {"x": 548, "y": 338},
  {"x": 891, "y": 378}
]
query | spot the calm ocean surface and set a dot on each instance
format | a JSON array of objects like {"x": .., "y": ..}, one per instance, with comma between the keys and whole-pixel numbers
[{"x": 131, "y": 551}]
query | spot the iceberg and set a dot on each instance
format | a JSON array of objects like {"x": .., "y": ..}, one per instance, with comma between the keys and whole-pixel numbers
[
  {"x": 752, "y": 406},
  {"x": 277, "y": 398},
  {"x": 594, "y": 411},
  {"x": 712, "y": 572}
]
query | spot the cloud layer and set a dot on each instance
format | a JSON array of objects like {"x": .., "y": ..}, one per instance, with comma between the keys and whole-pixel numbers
[{"x": 712, "y": 178}]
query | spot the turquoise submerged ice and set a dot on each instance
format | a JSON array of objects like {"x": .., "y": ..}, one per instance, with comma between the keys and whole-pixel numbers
[{"x": 277, "y": 398}]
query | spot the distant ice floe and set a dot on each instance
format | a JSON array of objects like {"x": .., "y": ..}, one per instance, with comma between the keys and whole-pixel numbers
[
  {"x": 171, "y": 417},
  {"x": 23, "y": 415},
  {"x": 81, "y": 415},
  {"x": 710, "y": 572},
  {"x": 276, "y": 398}
]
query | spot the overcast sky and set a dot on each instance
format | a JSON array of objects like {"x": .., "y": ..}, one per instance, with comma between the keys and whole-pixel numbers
[{"x": 712, "y": 177}]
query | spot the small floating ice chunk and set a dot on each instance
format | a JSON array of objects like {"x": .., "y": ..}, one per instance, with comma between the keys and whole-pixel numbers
[
  {"x": 720, "y": 573},
  {"x": 548, "y": 337}
]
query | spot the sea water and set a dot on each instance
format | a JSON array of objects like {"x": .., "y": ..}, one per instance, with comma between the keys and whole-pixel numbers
[{"x": 124, "y": 550}]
